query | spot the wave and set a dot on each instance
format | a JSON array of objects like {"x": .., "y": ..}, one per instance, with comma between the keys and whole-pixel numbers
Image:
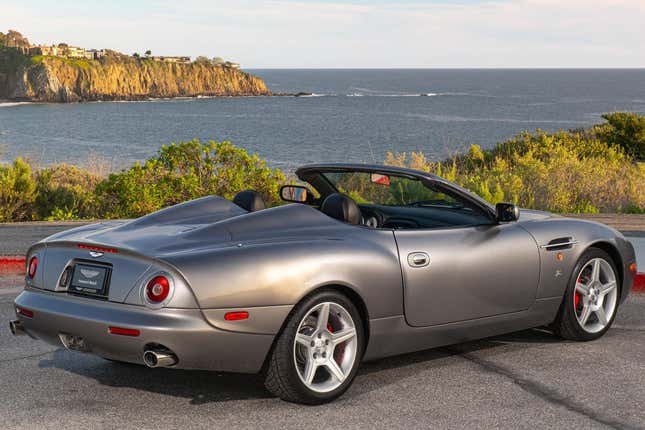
[
  {"x": 393, "y": 95},
  {"x": 457, "y": 118},
  {"x": 424, "y": 94},
  {"x": 11, "y": 104}
]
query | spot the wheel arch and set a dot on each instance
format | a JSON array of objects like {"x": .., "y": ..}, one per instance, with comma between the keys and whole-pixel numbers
[
  {"x": 346, "y": 290},
  {"x": 617, "y": 259}
]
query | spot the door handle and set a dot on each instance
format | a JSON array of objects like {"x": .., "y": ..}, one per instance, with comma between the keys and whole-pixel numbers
[{"x": 418, "y": 259}]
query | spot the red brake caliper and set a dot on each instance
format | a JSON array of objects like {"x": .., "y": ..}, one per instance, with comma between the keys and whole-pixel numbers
[
  {"x": 576, "y": 297},
  {"x": 329, "y": 328}
]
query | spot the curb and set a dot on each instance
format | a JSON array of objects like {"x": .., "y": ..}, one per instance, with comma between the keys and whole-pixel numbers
[
  {"x": 15, "y": 265},
  {"x": 639, "y": 283},
  {"x": 12, "y": 265}
]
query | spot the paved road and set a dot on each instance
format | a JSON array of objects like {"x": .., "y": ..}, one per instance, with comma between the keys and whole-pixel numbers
[
  {"x": 16, "y": 238},
  {"x": 525, "y": 380}
]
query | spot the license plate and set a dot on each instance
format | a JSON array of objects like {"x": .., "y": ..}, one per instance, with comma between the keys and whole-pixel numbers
[{"x": 89, "y": 279}]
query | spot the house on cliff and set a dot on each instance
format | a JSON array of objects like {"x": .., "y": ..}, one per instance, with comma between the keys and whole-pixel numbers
[
  {"x": 181, "y": 60},
  {"x": 66, "y": 51}
]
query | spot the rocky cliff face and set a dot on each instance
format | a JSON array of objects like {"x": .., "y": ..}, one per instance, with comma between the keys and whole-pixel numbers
[{"x": 57, "y": 80}]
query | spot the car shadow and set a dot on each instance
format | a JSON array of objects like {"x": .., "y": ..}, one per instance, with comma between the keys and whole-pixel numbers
[
  {"x": 199, "y": 386},
  {"x": 203, "y": 387}
]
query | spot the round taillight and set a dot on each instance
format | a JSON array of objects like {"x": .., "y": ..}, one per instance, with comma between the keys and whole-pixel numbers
[
  {"x": 157, "y": 289},
  {"x": 33, "y": 266}
]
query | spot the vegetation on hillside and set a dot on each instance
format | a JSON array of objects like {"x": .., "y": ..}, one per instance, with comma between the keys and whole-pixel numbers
[
  {"x": 593, "y": 170},
  {"x": 10, "y": 57},
  {"x": 180, "y": 172},
  {"x": 624, "y": 129},
  {"x": 581, "y": 171}
]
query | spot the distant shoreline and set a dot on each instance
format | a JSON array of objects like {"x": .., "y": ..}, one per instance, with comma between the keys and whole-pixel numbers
[{"x": 136, "y": 99}]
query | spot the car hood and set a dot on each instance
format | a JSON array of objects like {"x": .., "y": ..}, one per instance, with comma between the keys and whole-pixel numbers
[{"x": 204, "y": 223}]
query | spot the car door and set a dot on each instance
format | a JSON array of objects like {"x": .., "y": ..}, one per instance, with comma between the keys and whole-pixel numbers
[{"x": 464, "y": 273}]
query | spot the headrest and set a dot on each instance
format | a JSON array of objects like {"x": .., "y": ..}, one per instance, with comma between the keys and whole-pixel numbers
[
  {"x": 341, "y": 207},
  {"x": 250, "y": 200}
]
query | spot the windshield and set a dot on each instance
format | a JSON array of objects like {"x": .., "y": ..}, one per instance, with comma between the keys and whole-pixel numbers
[{"x": 389, "y": 190}]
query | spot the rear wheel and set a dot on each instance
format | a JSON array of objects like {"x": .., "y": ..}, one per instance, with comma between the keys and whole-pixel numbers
[
  {"x": 591, "y": 300},
  {"x": 316, "y": 356}
]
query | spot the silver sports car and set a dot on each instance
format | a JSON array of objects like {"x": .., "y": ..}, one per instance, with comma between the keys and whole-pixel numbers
[{"x": 368, "y": 261}]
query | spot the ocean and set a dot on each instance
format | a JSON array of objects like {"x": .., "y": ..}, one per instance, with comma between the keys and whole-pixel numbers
[{"x": 353, "y": 115}]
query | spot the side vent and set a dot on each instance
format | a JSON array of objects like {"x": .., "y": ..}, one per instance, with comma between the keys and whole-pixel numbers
[{"x": 560, "y": 243}]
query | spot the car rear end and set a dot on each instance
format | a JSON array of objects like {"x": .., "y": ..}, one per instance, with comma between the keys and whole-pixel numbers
[{"x": 125, "y": 306}]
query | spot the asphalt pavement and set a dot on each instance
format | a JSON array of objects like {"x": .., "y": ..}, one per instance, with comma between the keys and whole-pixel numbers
[{"x": 529, "y": 379}]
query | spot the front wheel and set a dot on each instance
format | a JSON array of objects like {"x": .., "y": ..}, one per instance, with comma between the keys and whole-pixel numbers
[
  {"x": 316, "y": 356},
  {"x": 591, "y": 300}
]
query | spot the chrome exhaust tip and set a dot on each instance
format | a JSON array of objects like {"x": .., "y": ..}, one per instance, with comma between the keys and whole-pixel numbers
[
  {"x": 16, "y": 328},
  {"x": 154, "y": 359}
]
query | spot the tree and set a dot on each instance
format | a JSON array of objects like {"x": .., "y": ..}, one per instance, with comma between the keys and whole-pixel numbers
[
  {"x": 627, "y": 130},
  {"x": 136, "y": 55},
  {"x": 148, "y": 53},
  {"x": 14, "y": 39}
]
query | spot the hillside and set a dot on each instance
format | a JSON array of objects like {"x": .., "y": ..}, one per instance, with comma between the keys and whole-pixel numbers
[
  {"x": 66, "y": 74},
  {"x": 54, "y": 79}
]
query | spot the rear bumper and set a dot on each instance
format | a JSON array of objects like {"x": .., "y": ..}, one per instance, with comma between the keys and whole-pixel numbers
[{"x": 197, "y": 344}]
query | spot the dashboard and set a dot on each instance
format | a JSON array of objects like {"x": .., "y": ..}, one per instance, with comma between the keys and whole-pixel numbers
[{"x": 410, "y": 217}]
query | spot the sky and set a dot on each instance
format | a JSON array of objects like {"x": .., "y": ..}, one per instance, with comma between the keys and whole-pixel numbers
[{"x": 349, "y": 33}]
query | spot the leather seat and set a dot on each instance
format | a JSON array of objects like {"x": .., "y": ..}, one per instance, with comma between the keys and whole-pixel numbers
[
  {"x": 249, "y": 200},
  {"x": 341, "y": 207}
]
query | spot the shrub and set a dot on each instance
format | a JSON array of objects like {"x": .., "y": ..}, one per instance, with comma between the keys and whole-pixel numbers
[
  {"x": 626, "y": 130},
  {"x": 586, "y": 171},
  {"x": 560, "y": 172},
  {"x": 17, "y": 191},
  {"x": 66, "y": 192},
  {"x": 184, "y": 171}
]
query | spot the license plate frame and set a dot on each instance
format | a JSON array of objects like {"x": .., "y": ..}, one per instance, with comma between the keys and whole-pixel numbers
[{"x": 90, "y": 279}]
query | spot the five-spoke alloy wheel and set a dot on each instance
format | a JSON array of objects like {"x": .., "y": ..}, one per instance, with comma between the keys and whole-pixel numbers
[
  {"x": 595, "y": 296},
  {"x": 591, "y": 299},
  {"x": 325, "y": 347},
  {"x": 316, "y": 356}
]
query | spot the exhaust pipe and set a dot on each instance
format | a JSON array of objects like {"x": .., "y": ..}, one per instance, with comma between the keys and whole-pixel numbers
[
  {"x": 16, "y": 328},
  {"x": 153, "y": 358}
]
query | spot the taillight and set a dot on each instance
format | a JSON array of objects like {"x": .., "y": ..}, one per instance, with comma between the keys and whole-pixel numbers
[
  {"x": 158, "y": 289},
  {"x": 33, "y": 266},
  {"x": 24, "y": 312}
]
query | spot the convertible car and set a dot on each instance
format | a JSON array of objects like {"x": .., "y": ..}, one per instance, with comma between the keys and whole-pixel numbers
[{"x": 367, "y": 261}]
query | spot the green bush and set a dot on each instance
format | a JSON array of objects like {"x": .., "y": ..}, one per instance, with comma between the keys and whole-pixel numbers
[
  {"x": 17, "y": 191},
  {"x": 572, "y": 172},
  {"x": 583, "y": 171},
  {"x": 66, "y": 192},
  {"x": 184, "y": 171},
  {"x": 626, "y": 130}
]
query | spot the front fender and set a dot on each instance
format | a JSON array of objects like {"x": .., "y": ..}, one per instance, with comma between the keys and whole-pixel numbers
[{"x": 555, "y": 273}]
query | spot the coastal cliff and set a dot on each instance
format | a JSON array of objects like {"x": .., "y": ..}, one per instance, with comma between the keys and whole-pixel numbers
[{"x": 54, "y": 79}]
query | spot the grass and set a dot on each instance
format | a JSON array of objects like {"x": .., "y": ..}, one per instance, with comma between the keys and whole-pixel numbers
[{"x": 74, "y": 62}]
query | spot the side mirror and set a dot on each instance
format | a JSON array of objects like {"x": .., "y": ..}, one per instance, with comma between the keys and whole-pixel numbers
[
  {"x": 295, "y": 193},
  {"x": 507, "y": 212}
]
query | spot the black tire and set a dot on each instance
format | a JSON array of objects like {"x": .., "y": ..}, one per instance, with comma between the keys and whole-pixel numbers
[
  {"x": 566, "y": 324},
  {"x": 282, "y": 377}
]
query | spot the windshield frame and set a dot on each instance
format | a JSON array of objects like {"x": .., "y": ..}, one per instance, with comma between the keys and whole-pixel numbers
[{"x": 314, "y": 175}]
